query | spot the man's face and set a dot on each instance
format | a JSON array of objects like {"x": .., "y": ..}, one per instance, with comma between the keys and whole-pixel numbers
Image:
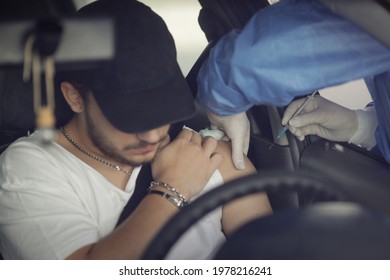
[{"x": 129, "y": 149}]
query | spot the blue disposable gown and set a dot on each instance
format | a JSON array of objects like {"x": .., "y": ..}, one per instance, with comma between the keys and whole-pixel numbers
[{"x": 291, "y": 49}]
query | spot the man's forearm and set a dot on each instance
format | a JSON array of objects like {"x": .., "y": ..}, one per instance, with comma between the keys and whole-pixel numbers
[{"x": 131, "y": 238}]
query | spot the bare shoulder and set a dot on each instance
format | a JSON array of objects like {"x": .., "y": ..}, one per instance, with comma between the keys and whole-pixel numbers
[{"x": 227, "y": 169}]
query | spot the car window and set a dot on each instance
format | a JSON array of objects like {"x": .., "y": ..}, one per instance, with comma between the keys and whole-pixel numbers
[
  {"x": 181, "y": 16},
  {"x": 353, "y": 95}
]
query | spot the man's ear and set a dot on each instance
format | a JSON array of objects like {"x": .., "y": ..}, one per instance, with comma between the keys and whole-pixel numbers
[{"x": 72, "y": 97}]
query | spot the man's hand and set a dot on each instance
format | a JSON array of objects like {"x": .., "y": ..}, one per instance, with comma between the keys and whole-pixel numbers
[
  {"x": 187, "y": 163},
  {"x": 237, "y": 129},
  {"x": 323, "y": 118}
]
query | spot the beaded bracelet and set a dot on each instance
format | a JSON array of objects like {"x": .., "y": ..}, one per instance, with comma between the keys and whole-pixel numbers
[{"x": 179, "y": 196}]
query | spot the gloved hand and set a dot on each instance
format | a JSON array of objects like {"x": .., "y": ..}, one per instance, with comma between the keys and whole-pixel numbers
[
  {"x": 333, "y": 122},
  {"x": 323, "y": 118},
  {"x": 237, "y": 129}
]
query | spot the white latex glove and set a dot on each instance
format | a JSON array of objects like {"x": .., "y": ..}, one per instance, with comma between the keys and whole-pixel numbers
[
  {"x": 237, "y": 129},
  {"x": 367, "y": 124},
  {"x": 333, "y": 122},
  {"x": 323, "y": 118}
]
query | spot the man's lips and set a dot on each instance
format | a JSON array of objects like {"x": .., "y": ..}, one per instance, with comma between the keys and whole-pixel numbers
[{"x": 145, "y": 149}]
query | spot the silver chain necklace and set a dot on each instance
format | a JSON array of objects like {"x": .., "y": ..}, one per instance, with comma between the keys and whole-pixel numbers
[{"x": 95, "y": 157}]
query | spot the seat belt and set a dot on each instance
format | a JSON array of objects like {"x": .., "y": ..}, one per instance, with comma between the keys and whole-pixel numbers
[
  {"x": 140, "y": 191},
  {"x": 143, "y": 181}
]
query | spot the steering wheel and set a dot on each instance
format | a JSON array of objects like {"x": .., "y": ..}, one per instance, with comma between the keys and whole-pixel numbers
[
  {"x": 270, "y": 181},
  {"x": 323, "y": 231}
]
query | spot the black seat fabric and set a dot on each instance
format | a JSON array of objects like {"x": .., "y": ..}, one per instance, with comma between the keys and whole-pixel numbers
[{"x": 16, "y": 99}]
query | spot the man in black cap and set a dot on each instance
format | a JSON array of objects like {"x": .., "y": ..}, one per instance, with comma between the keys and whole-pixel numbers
[{"x": 63, "y": 200}]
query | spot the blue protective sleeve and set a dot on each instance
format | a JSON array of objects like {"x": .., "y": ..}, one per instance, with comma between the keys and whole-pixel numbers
[
  {"x": 379, "y": 87},
  {"x": 286, "y": 50}
]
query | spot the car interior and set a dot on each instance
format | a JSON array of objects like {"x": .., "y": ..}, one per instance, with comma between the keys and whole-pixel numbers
[{"x": 331, "y": 200}]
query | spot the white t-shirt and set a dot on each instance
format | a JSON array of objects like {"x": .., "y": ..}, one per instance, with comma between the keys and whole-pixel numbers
[{"x": 52, "y": 203}]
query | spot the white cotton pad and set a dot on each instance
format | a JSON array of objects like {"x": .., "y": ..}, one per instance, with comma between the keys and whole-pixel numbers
[{"x": 215, "y": 133}]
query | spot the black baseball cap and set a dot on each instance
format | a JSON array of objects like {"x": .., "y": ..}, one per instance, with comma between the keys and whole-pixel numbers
[{"x": 142, "y": 88}]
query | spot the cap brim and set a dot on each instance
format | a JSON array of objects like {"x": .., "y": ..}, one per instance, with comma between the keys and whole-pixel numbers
[{"x": 149, "y": 109}]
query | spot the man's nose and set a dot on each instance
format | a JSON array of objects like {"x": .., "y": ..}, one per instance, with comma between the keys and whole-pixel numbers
[{"x": 150, "y": 136}]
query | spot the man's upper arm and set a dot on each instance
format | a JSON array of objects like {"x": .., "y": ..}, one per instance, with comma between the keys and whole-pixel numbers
[
  {"x": 242, "y": 210},
  {"x": 227, "y": 168}
]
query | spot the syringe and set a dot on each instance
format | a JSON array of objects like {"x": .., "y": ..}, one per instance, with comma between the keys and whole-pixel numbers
[{"x": 297, "y": 112}]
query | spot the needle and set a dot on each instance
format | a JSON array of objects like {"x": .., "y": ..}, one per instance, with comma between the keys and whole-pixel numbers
[{"x": 297, "y": 112}]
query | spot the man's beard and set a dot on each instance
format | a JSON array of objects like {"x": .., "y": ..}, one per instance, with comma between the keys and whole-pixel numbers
[{"x": 106, "y": 147}]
